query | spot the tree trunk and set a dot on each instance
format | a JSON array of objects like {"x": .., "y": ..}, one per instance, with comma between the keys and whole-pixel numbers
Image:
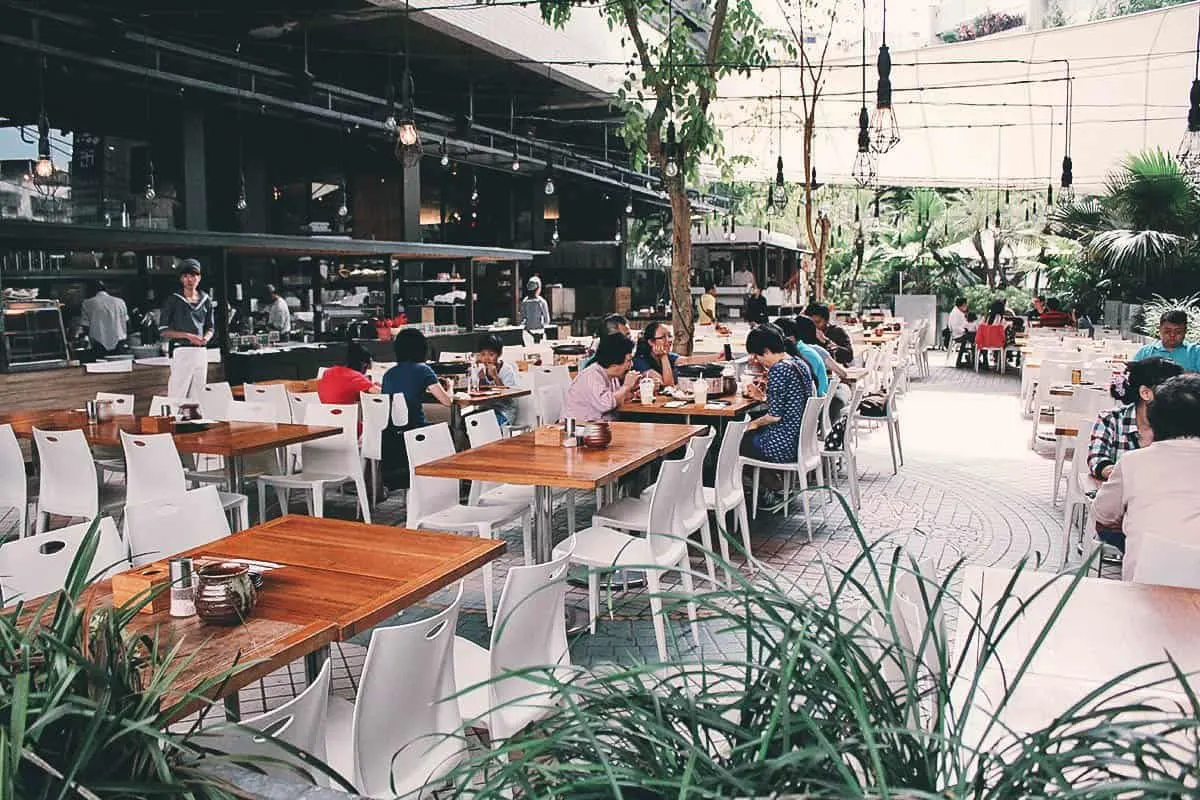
[
  {"x": 988, "y": 275},
  {"x": 823, "y": 226},
  {"x": 681, "y": 268}
]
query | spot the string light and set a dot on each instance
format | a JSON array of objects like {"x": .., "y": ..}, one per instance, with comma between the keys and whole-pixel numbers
[{"x": 671, "y": 170}]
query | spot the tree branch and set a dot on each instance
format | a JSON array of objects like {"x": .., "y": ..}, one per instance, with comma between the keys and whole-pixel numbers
[{"x": 712, "y": 51}]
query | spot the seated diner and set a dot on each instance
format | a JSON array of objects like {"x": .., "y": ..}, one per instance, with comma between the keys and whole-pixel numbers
[
  {"x": 787, "y": 389},
  {"x": 604, "y": 384},
  {"x": 655, "y": 359}
]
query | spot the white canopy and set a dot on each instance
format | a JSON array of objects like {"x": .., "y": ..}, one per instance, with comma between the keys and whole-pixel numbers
[{"x": 992, "y": 110}]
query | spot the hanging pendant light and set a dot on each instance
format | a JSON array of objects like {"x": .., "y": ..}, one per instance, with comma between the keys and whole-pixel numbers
[
  {"x": 474, "y": 187},
  {"x": 408, "y": 138},
  {"x": 445, "y": 159},
  {"x": 1049, "y": 195},
  {"x": 343, "y": 209},
  {"x": 241, "y": 203},
  {"x": 629, "y": 202},
  {"x": 863, "y": 170},
  {"x": 1189, "y": 147},
  {"x": 548, "y": 188},
  {"x": 554, "y": 236},
  {"x": 151, "y": 190},
  {"x": 44, "y": 168},
  {"x": 813, "y": 183},
  {"x": 1067, "y": 193},
  {"x": 997, "y": 217},
  {"x": 885, "y": 132},
  {"x": 671, "y": 170}
]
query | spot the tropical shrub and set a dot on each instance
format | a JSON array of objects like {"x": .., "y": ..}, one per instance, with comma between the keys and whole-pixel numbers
[{"x": 979, "y": 297}]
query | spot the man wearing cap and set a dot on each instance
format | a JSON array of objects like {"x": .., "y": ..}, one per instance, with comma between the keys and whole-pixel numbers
[
  {"x": 535, "y": 313},
  {"x": 186, "y": 322},
  {"x": 279, "y": 316}
]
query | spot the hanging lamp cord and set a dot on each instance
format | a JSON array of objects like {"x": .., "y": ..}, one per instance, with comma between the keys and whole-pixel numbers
[
  {"x": 1196, "y": 74},
  {"x": 885, "y": 23},
  {"x": 864, "y": 53}
]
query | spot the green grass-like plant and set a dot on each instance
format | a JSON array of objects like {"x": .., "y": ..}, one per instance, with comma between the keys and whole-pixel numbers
[{"x": 823, "y": 701}]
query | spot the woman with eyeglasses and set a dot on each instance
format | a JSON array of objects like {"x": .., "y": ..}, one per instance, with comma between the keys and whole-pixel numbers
[{"x": 655, "y": 359}]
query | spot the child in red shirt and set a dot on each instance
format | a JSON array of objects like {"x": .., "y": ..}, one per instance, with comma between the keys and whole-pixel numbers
[{"x": 342, "y": 385}]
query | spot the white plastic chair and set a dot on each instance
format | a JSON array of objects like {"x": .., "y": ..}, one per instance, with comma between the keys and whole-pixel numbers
[
  {"x": 14, "y": 486},
  {"x": 846, "y": 457},
  {"x": 155, "y": 472},
  {"x": 161, "y": 528},
  {"x": 377, "y": 410},
  {"x": 690, "y": 512},
  {"x": 600, "y": 548},
  {"x": 483, "y": 428},
  {"x": 266, "y": 462},
  {"x": 550, "y": 401},
  {"x": 551, "y": 376},
  {"x": 300, "y": 722},
  {"x": 122, "y": 403},
  {"x": 68, "y": 485},
  {"x": 808, "y": 459},
  {"x": 108, "y": 459},
  {"x": 433, "y": 502},
  {"x": 402, "y": 735},
  {"x": 215, "y": 400},
  {"x": 1162, "y": 562},
  {"x": 172, "y": 403},
  {"x": 331, "y": 461},
  {"x": 274, "y": 394},
  {"x": 531, "y": 632},
  {"x": 726, "y": 496},
  {"x": 38, "y": 565},
  {"x": 1076, "y": 497},
  {"x": 299, "y": 401},
  {"x": 1051, "y": 374}
]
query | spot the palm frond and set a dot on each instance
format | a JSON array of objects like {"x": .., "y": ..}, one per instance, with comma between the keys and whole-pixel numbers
[{"x": 1135, "y": 250}]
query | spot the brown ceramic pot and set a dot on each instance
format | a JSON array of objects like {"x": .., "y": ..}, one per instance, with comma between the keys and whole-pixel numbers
[
  {"x": 224, "y": 594},
  {"x": 596, "y": 435}
]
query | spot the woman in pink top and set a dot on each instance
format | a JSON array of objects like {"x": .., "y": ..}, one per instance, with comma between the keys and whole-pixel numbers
[
  {"x": 1151, "y": 492},
  {"x": 605, "y": 383}
]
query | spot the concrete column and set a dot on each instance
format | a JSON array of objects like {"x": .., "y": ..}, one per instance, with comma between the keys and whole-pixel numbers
[
  {"x": 195, "y": 183},
  {"x": 410, "y": 204}
]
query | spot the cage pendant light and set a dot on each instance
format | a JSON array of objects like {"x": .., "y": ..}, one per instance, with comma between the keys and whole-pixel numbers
[
  {"x": 885, "y": 132},
  {"x": 777, "y": 197},
  {"x": 408, "y": 139},
  {"x": 1189, "y": 147},
  {"x": 863, "y": 170}
]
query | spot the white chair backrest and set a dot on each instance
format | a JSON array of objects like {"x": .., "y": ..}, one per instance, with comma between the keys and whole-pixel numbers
[
  {"x": 338, "y": 454},
  {"x": 68, "y": 474},
  {"x": 121, "y": 403},
  {"x": 153, "y": 470},
  {"x": 298, "y": 401},
  {"x": 1167, "y": 563},
  {"x": 173, "y": 403},
  {"x": 483, "y": 428},
  {"x": 697, "y": 451},
  {"x": 299, "y": 722},
  {"x": 406, "y": 705},
  {"x": 14, "y": 489},
  {"x": 549, "y": 404},
  {"x": 673, "y": 479},
  {"x": 831, "y": 390},
  {"x": 215, "y": 399},
  {"x": 124, "y": 365},
  {"x": 527, "y": 406},
  {"x": 530, "y": 632},
  {"x": 274, "y": 394},
  {"x": 321, "y": 371},
  {"x": 1100, "y": 374},
  {"x": 399, "y": 411},
  {"x": 162, "y": 528},
  {"x": 728, "y": 477},
  {"x": 37, "y": 565},
  {"x": 246, "y": 411},
  {"x": 919, "y": 617},
  {"x": 1079, "y": 455},
  {"x": 428, "y": 495},
  {"x": 376, "y": 409},
  {"x": 551, "y": 376},
  {"x": 810, "y": 440}
]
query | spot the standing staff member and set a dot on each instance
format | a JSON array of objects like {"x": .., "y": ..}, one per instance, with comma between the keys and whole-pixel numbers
[
  {"x": 187, "y": 321},
  {"x": 105, "y": 318}
]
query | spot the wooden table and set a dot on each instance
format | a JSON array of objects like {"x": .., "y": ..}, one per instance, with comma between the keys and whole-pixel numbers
[
  {"x": 737, "y": 405},
  {"x": 230, "y": 440},
  {"x": 519, "y": 461},
  {"x": 337, "y": 579},
  {"x": 300, "y": 386},
  {"x": 854, "y": 374},
  {"x": 1105, "y": 628}
]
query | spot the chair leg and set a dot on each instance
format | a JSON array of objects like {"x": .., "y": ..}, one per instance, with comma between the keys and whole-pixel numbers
[
  {"x": 787, "y": 491},
  {"x": 852, "y": 469},
  {"x": 744, "y": 524},
  {"x": 281, "y": 495},
  {"x": 262, "y": 502},
  {"x": 40, "y": 521},
  {"x": 364, "y": 499},
  {"x": 754, "y": 495},
  {"x": 1060, "y": 454},
  {"x": 685, "y": 577},
  {"x": 723, "y": 533},
  {"x": 593, "y": 599},
  {"x": 317, "y": 493},
  {"x": 656, "y": 612},
  {"x": 892, "y": 448},
  {"x": 706, "y": 534},
  {"x": 899, "y": 441},
  {"x": 571, "y": 511},
  {"x": 804, "y": 504}
]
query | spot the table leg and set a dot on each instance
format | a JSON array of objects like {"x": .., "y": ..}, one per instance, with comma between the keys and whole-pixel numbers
[
  {"x": 543, "y": 525},
  {"x": 233, "y": 466},
  {"x": 313, "y": 662}
]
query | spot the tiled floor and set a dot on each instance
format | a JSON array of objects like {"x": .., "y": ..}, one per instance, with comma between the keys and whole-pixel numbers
[{"x": 970, "y": 488}]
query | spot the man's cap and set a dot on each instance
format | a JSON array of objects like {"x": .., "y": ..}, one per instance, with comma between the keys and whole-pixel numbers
[
  {"x": 189, "y": 266},
  {"x": 534, "y": 283}
]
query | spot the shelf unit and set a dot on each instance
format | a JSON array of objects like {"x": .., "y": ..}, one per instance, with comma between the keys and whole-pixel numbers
[{"x": 34, "y": 336}]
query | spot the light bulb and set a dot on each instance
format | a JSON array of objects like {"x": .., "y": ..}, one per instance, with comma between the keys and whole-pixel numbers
[
  {"x": 549, "y": 187},
  {"x": 474, "y": 195},
  {"x": 617, "y": 238},
  {"x": 516, "y": 165},
  {"x": 241, "y": 202},
  {"x": 864, "y": 168},
  {"x": 342, "y": 210},
  {"x": 554, "y": 236},
  {"x": 150, "y": 193},
  {"x": 407, "y": 133},
  {"x": 628, "y": 206},
  {"x": 44, "y": 167},
  {"x": 445, "y": 159},
  {"x": 672, "y": 169}
]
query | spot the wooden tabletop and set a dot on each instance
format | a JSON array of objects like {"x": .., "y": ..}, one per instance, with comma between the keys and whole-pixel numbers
[
  {"x": 737, "y": 405},
  {"x": 295, "y": 386},
  {"x": 854, "y": 374},
  {"x": 1106, "y": 628},
  {"x": 495, "y": 395},
  {"x": 220, "y": 439},
  {"x": 338, "y": 579},
  {"x": 518, "y": 460}
]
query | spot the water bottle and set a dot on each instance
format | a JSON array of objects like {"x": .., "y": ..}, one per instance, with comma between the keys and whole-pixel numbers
[{"x": 472, "y": 376}]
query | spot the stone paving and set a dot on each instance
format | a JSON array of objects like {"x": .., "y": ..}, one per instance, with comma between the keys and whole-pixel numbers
[{"x": 970, "y": 488}]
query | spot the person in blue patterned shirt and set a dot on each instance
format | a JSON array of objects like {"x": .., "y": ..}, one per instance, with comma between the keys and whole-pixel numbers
[{"x": 776, "y": 435}]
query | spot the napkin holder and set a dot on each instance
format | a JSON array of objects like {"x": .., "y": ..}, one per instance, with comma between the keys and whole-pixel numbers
[
  {"x": 151, "y": 579},
  {"x": 156, "y": 425},
  {"x": 548, "y": 436}
]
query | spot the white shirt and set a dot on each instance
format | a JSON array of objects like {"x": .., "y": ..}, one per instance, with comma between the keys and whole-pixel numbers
[
  {"x": 279, "y": 316},
  {"x": 957, "y": 322},
  {"x": 105, "y": 317},
  {"x": 1152, "y": 493}
]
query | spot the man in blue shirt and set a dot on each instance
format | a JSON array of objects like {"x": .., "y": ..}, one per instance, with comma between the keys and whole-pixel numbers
[{"x": 1172, "y": 330}]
